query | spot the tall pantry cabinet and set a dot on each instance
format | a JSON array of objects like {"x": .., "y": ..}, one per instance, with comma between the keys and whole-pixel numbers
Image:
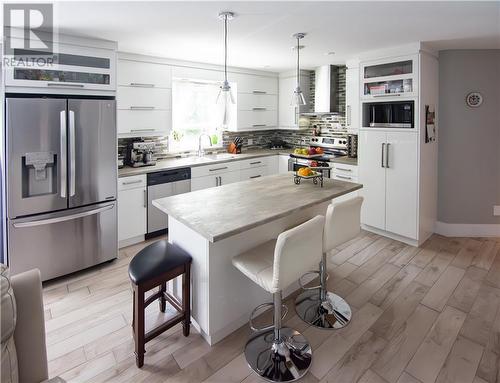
[{"x": 397, "y": 167}]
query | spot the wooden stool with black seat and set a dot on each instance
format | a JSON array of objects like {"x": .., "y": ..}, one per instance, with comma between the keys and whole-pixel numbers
[{"x": 152, "y": 267}]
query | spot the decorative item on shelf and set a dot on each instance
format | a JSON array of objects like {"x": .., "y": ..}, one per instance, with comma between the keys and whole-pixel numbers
[
  {"x": 430, "y": 124},
  {"x": 474, "y": 99},
  {"x": 225, "y": 94},
  {"x": 298, "y": 97}
]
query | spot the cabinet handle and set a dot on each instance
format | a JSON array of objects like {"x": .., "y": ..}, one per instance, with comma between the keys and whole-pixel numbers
[
  {"x": 258, "y": 125},
  {"x": 142, "y": 107},
  {"x": 259, "y": 92},
  {"x": 386, "y": 95},
  {"x": 62, "y": 85},
  {"x": 255, "y": 163},
  {"x": 343, "y": 177},
  {"x": 142, "y": 130},
  {"x": 132, "y": 182},
  {"x": 259, "y": 108},
  {"x": 217, "y": 181},
  {"x": 220, "y": 181},
  {"x": 344, "y": 169},
  {"x": 215, "y": 169},
  {"x": 382, "y": 160},
  {"x": 349, "y": 115},
  {"x": 296, "y": 115},
  {"x": 387, "y": 156},
  {"x": 256, "y": 176},
  {"x": 142, "y": 85},
  {"x": 145, "y": 199}
]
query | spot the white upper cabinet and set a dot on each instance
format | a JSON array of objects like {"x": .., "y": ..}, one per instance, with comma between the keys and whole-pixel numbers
[
  {"x": 289, "y": 116},
  {"x": 352, "y": 110},
  {"x": 389, "y": 78},
  {"x": 72, "y": 70},
  {"x": 247, "y": 101},
  {"x": 254, "y": 84},
  {"x": 257, "y": 101},
  {"x": 142, "y": 74},
  {"x": 144, "y": 98}
]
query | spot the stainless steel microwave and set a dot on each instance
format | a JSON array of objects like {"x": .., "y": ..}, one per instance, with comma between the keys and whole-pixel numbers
[{"x": 397, "y": 114}]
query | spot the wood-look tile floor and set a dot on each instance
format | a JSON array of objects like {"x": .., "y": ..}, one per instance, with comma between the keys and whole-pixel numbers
[{"x": 420, "y": 315}]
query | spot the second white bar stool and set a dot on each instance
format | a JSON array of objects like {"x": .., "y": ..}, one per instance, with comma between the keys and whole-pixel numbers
[
  {"x": 276, "y": 353},
  {"x": 316, "y": 305}
]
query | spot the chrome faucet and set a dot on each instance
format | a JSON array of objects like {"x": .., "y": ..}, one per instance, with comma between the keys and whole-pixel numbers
[{"x": 201, "y": 151}]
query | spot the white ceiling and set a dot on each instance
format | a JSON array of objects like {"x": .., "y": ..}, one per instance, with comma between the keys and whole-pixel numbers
[{"x": 260, "y": 35}]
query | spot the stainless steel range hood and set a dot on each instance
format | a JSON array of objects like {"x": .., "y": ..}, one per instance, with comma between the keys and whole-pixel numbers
[{"x": 326, "y": 89}]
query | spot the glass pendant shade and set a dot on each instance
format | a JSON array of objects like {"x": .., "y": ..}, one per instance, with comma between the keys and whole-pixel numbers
[{"x": 298, "y": 98}]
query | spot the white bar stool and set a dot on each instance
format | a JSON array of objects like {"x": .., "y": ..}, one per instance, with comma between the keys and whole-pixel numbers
[
  {"x": 276, "y": 353},
  {"x": 316, "y": 305}
]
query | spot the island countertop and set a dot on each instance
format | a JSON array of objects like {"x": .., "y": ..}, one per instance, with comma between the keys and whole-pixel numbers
[{"x": 220, "y": 212}]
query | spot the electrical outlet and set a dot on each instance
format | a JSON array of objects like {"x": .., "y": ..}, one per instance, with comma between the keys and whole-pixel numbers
[
  {"x": 496, "y": 210},
  {"x": 250, "y": 141}
]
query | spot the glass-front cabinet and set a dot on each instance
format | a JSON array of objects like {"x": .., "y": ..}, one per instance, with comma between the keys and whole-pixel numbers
[
  {"x": 70, "y": 67},
  {"x": 394, "y": 78}
]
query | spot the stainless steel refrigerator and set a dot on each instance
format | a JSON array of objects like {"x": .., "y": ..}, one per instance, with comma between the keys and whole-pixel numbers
[{"x": 61, "y": 183}]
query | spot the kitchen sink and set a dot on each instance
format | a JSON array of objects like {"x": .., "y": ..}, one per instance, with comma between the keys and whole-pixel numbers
[{"x": 220, "y": 156}]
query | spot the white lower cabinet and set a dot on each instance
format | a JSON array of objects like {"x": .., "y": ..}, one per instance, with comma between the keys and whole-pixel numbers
[
  {"x": 283, "y": 162},
  {"x": 132, "y": 207},
  {"x": 210, "y": 181},
  {"x": 389, "y": 174},
  {"x": 248, "y": 174}
]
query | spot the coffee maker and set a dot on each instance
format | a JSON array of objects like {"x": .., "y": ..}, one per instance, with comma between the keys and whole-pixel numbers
[{"x": 140, "y": 154}]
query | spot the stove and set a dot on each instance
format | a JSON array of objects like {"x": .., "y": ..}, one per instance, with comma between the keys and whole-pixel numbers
[{"x": 332, "y": 146}]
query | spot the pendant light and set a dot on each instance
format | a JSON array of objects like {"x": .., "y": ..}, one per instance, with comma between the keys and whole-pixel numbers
[
  {"x": 225, "y": 95},
  {"x": 298, "y": 97}
]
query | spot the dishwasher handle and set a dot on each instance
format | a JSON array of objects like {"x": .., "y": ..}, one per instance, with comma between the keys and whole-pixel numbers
[{"x": 168, "y": 176}]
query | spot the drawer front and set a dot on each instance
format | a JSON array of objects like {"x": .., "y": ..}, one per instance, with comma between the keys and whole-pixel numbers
[
  {"x": 255, "y": 162},
  {"x": 257, "y": 102},
  {"x": 143, "y": 74},
  {"x": 255, "y": 84},
  {"x": 132, "y": 182},
  {"x": 348, "y": 170},
  {"x": 130, "y": 98},
  {"x": 255, "y": 120},
  {"x": 344, "y": 177},
  {"x": 143, "y": 122},
  {"x": 248, "y": 174},
  {"x": 201, "y": 171}
]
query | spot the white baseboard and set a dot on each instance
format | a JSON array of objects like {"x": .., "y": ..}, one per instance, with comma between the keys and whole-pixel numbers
[{"x": 467, "y": 230}]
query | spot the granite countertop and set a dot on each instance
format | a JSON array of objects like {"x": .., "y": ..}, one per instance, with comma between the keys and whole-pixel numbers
[
  {"x": 221, "y": 212},
  {"x": 182, "y": 162}
]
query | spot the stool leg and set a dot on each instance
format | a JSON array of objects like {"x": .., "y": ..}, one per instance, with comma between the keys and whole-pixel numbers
[
  {"x": 323, "y": 309},
  {"x": 161, "y": 300},
  {"x": 186, "y": 299},
  {"x": 139, "y": 325},
  {"x": 280, "y": 354}
]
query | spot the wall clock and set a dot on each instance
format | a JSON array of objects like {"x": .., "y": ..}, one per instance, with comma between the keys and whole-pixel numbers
[{"x": 474, "y": 99}]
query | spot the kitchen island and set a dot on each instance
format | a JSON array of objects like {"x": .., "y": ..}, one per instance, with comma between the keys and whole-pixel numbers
[{"x": 216, "y": 224}]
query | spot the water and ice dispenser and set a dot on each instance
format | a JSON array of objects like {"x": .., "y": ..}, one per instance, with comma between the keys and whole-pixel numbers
[{"x": 39, "y": 174}]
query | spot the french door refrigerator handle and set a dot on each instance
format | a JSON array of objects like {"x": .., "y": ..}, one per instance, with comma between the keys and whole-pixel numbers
[
  {"x": 382, "y": 152},
  {"x": 72, "y": 154},
  {"x": 387, "y": 155},
  {"x": 64, "y": 154},
  {"x": 49, "y": 221}
]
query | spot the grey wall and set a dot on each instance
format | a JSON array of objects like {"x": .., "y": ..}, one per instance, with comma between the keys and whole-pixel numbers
[{"x": 469, "y": 138}]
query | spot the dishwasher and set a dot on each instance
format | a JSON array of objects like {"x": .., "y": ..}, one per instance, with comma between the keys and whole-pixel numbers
[{"x": 164, "y": 184}]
